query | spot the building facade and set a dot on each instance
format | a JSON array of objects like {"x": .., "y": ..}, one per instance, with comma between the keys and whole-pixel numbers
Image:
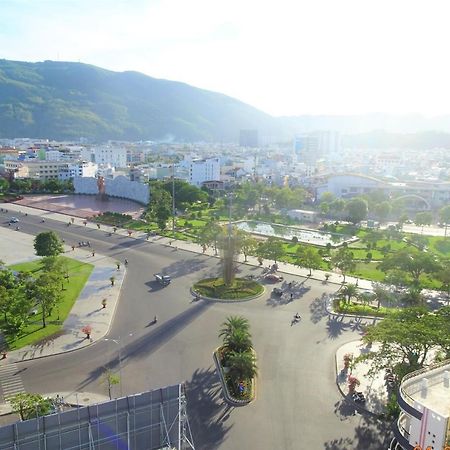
[
  {"x": 417, "y": 195},
  {"x": 114, "y": 156},
  {"x": 201, "y": 170},
  {"x": 424, "y": 400}
]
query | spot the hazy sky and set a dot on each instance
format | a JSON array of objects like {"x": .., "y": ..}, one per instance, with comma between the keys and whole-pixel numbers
[{"x": 285, "y": 57}]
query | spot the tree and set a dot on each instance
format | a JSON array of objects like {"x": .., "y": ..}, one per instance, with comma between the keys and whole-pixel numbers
[
  {"x": 232, "y": 324},
  {"x": 423, "y": 218},
  {"x": 402, "y": 219},
  {"x": 349, "y": 291},
  {"x": 160, "y": 207},
  {"x": 5, "y": 302},
  {"x": 110, "y": 379},
  {"x": 30, "y": 406},
  {"x": 210, "y": 235},
  {"x": 444, "y": 214},
  {"x": 307, "y": 257},
  {"x": 272, "y": 249},
  {"x": 18, "y": 309},
  {"x": 238, "y": 341},
  {"x": 356, "y": 210},
  {"x": 406, "y": 338},
  {"x": 48, "y": 244},
  {"x": 382, "y": 210},
  {"x": 47, "y": 292},
  {"x": 242, "y": 365},
  {"x": 343, "y": 260},
  {"x": 444, "y": 277},
  {"x": 413, "y": 262},
  {"x": 382, "y": 294},
  {"x": 337, "y": 206},
  {"x": 247, "y": 244},
  {"x": 4, "y": 185},
  {"x": 327, "y": 197}
]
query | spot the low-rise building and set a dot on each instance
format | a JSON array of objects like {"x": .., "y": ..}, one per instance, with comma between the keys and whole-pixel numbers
[
  {"x": 424, "y": 400},
  {"x": 418, "y": 195}
]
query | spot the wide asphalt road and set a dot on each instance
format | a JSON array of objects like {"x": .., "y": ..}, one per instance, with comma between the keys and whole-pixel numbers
[{"x": 298, "y": 405}]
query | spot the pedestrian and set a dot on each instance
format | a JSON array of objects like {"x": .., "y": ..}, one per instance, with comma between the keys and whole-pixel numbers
[
  {"x": 93, "y": 252},
  {"x": 357, "y": 280},
  {"x": 88, "y": 243},
  {"x": 72, "y": 220},
  {"x": 126, "y": 262},
  {"x": 292, "y": 296},
  {"x": 118, "y": 266},
  {"x": 98, "y": 226},
  {"x": 290, "y": 285},
  {"x": 73, "y": 248}
]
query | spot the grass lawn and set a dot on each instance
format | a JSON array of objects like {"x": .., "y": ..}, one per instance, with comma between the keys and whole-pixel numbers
[
  {"x": 362, "y": 310},
  {"x": 368, "y": 271},
  {"x": 215, "y": 288},
  {"x": 78, "y": 275}
]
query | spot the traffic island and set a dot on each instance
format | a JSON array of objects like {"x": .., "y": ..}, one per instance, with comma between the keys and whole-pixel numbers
[
  {"x": 236, "y": 391},
  {"x": 215, "y": 289}
]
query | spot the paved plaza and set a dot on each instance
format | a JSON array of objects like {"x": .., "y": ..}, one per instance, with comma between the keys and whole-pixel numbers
[{"x": 84, "y": 206}]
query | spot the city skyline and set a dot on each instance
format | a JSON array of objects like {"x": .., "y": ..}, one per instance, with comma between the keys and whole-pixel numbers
[{"x": 283, "y": 58}]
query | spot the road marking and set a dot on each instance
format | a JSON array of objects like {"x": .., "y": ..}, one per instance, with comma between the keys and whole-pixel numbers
[{"x": 10, "y": 380}]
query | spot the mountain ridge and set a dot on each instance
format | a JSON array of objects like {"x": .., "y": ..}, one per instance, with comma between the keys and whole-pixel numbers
[{"x": 67, "y": 100}]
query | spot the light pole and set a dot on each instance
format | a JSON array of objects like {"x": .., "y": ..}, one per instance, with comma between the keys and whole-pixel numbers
[{"x": 173, "y": 200}]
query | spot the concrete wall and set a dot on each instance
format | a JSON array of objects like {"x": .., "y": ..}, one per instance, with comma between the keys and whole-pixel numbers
[{"x": 118, "y": 187}]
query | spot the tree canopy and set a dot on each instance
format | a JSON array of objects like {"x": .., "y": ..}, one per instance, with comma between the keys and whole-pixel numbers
[{"x": 48, "y": 243}]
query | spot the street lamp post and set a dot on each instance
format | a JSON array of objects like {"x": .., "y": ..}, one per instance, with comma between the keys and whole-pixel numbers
[{"x": 173, "y": 200}]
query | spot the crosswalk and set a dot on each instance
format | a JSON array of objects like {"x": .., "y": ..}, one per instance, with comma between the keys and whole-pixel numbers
[{"x": 10, "y": 380}]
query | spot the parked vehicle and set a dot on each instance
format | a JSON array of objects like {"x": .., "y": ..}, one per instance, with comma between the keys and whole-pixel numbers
[{"x": 164, "y": 280}]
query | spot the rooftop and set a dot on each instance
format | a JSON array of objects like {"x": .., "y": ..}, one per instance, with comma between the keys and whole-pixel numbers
[{"x": 431, "y": 389}]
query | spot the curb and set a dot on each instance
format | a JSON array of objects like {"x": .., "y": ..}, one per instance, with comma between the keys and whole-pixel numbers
[
  {"x": 346, "y": 397},
  {"x": 333, "y": 313},
  {"x": 225, "y": 300},
  {"x": 226, "y": 394},
  {"x": 84, "y": 346}
]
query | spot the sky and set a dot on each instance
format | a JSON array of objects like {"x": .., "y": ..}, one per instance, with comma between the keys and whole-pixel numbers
[{"x": 285, "y": 57}]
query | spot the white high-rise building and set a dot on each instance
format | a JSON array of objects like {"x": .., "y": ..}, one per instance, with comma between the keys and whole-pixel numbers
[
  {"x": 201, "y": 170},
  {"x": 114, "y": 156}
]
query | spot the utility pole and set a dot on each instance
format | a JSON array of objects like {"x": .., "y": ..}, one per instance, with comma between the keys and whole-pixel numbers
[{"x": 173, "y": 199}]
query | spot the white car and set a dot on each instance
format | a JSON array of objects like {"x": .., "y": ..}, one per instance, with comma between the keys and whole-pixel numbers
[{"x": 13, "y": 220}]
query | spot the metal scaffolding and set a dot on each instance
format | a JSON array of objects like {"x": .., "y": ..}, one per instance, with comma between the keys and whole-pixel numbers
[{"x": 150, "y": 420}]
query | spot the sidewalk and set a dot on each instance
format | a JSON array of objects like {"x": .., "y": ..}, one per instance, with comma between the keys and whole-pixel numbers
[
  {"x": 87, "y": 310},
  {"x": 288, "y": 268},
  {"x": 373, "y": 387},
  {"x": 74, "y": 399}
]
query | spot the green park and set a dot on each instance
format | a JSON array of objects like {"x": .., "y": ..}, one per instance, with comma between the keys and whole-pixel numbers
[{"x": 36, "y": 297}]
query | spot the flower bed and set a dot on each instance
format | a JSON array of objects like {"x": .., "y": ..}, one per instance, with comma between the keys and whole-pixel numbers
[{"x": 239, "y": 392}]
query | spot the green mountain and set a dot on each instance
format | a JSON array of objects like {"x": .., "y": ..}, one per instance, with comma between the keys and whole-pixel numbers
[{"x": 66, "y": 100}]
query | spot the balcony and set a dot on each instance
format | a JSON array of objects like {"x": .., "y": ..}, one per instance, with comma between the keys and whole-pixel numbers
[
  {"x": 428, "y": 387},
  {"x": 401, "y": 434}
]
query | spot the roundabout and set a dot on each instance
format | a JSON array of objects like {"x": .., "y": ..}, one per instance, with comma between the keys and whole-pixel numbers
[{"x": 215, "y": 289}]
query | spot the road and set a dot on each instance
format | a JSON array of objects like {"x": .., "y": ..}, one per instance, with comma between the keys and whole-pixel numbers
[{"x": 298, "y": 405}]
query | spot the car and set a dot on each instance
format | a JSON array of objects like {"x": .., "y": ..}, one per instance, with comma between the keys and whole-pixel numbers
[
  {"x": 13, "y": 220},
  {"x": 273, "y": 277},
  {"x": 164, "y": 280}
]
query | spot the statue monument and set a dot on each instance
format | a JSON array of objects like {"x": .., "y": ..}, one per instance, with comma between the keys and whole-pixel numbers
[{"x": 101, "y": 189}]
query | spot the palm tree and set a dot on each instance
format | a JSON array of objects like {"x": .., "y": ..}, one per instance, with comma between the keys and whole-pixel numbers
[
  {"x": 349, "y": 291},
  {"x": 234, "y": 323},
  {"x": 238, "y": 341},
  {"x": 242, "y": 365}
]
